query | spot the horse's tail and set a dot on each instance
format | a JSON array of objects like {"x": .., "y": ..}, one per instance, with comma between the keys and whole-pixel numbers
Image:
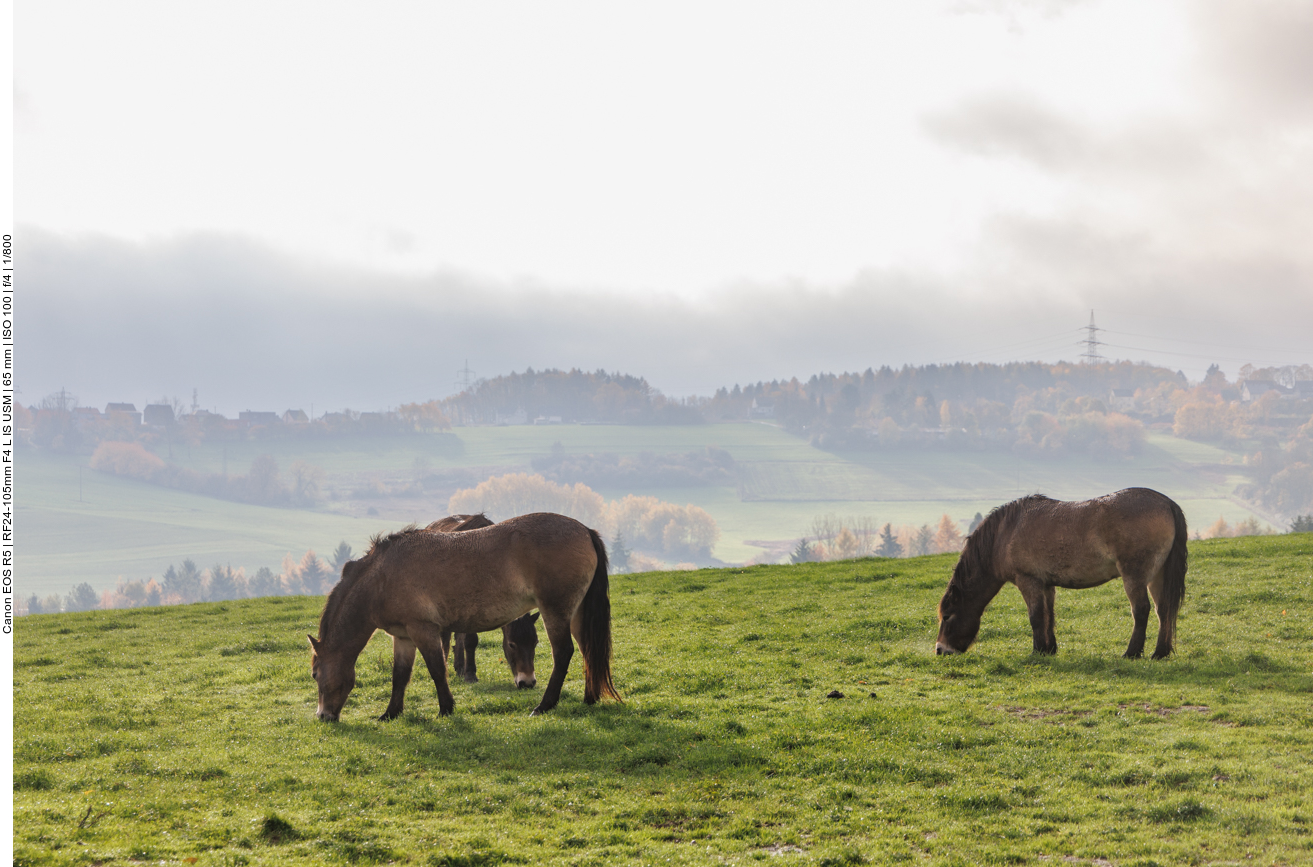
[
  {"x": 595, "y": 631},
  {"x": 1169, "y": 602}
]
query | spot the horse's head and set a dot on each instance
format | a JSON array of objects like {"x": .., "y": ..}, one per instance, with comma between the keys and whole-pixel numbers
[
  {"x": 519, "y": 640},
  {"x": 959, "y": 615},
  {"x": 336, "y": 676}
]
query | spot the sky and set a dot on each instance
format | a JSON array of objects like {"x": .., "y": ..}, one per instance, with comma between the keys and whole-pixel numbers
[{"x": 291, "y": 204}]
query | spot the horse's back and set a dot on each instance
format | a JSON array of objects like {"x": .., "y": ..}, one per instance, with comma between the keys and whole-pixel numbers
[
  {"x": 479, "y": 579},
  {"x": 1086, "y": 542}
]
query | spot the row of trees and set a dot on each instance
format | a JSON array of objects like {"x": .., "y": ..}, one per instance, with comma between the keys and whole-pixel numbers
[
  {"x": 573, "y": 395},
  {"x": 263, "y": 484},
  {"x": 645, "y": 523},
  {"x": 184, "y": 583},
  {"x": 836, "y": 538}
]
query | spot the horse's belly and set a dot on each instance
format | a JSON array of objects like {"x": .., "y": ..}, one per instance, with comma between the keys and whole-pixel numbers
[
  {"x": 1090, "y": 575},
  {"x": 488, "y": 614}
]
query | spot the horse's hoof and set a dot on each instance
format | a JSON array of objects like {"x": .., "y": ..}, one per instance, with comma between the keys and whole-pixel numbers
[
  {"x": 1137, "y": 655},
  {"x": 388, "y": 717},
  {"x": 469, "y": 678}
]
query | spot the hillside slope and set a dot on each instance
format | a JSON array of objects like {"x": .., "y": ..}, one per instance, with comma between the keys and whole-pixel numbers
[{"x": 188, "y": 732}]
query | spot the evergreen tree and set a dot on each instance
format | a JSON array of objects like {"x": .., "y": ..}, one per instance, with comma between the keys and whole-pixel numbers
[
  {"x": 223, "y": 585},
  {"x": 802, "y": 553},
  {"x": 315, "y": 577},
  {"x": 923, "y": 541},
  {"x": 341, "y": 556},
  {"x": 619, "y": 554},
  {"x": 889, "y": 546},
  {"x": 265, "y": 583},
  {"x": 1302, "y": 524},
  {"x": 34, "y": 605},
  {"x": 83, "y": 598},
  {"x": 975, "y": 522}
]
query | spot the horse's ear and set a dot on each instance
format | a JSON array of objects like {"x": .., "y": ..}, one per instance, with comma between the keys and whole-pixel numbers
[
  {"x": 533, "y": 618},
  {"x": 314, "y": 643}
]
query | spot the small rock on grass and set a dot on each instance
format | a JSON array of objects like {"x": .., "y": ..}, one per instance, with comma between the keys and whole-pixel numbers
[{"x": 834, "y": 693}]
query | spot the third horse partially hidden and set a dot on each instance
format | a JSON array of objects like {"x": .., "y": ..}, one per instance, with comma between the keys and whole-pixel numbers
[
  {"x": 1041, "y": 544},
  {"x": 519, "y": 638}
]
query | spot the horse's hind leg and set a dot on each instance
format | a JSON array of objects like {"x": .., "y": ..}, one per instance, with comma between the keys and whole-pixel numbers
[
  {"x": 403, "y": 661},
  {"x": 432, "y": 643},
  {"x": 1039, "y": 603},
  {"x": 1138, "y": 593},
  {"x": 1166, "y": 626},
  {"x": 558, "y": 633}
]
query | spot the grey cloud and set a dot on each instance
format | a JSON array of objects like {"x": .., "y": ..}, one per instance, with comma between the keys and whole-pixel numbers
[
  {"x": 254, "y": 330},
  {"x": 1259, "y": 53},
  {"x": 1010, "y": 124}
]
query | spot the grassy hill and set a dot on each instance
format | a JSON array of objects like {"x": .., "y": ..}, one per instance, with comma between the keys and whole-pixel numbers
[
  {"x": 120, "y": 527},
  {"x": 187, "y": 734}
]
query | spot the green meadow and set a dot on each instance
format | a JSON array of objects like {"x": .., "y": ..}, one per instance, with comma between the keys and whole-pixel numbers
[
  {"x": 79, "y": 525},
  {"x": 186, "y": 735}
]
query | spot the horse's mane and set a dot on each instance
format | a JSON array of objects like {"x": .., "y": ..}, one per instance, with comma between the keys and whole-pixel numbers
[
  {"x": 978, "y": 554},
  {"x": 354, "y": 570}
]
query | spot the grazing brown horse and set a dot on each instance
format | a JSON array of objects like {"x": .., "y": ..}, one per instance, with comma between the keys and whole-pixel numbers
[
  {"x": 519, "y": 638},
  {"x": 1040, "y": 544},
  {"x": 420, "y": 586}
]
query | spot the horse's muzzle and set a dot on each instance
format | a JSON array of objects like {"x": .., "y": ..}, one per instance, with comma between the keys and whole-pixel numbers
[
  {"x": 325, "y": 716},
  {"x": 526, "y": 682},
  {"x": 942, "y": 649}
]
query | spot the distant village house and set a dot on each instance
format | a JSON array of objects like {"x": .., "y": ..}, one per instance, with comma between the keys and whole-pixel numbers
[{"x": 123, "y": 412}]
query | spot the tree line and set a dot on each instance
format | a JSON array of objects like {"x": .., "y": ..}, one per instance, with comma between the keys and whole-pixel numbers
[{"x": 184, "y": 583}]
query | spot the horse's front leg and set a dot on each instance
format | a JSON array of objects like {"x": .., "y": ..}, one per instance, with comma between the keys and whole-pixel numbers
[
  {"x": 471, "y": 644},
  {"x": 1138, "y": 593},
  {"x": 432, "y": 643},
  {"x": 558, "y": 633},
  {"x": 1039, "y": 603},
  {"x": 458, "y": 653},
  {"x": 403, "y": 661}
]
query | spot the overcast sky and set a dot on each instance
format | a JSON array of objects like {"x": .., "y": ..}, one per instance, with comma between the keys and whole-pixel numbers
[{"x": 281, "y": 204}]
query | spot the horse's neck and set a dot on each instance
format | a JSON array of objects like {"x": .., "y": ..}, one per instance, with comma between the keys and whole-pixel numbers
[{"x": 349, "y": 628}]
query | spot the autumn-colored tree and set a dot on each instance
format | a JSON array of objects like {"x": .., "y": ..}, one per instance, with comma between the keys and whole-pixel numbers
[
  {"x": 947, "y": 536},
  {"x": 521, "y": 493},
  {"x": 425, "y": 417},
  {"x": 126, "y": 459},
  {"x": 845, "y": 545}
]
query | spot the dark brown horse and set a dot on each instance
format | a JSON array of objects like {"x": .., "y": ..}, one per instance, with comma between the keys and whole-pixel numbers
[
  {"x": 1040, "y": 544},
  {"x": 420, "y": 586},
  {"x": 519, "y": 638}
]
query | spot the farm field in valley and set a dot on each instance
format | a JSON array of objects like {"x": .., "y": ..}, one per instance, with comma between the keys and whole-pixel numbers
[
  {"x": 171, "y": 734},
  {"x": 122, "y": 527}
]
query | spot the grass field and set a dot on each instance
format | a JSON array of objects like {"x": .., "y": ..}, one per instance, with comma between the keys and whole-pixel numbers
[
  {"x": 124, "y": 528},
  {"x": 186, "y": 735}
]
